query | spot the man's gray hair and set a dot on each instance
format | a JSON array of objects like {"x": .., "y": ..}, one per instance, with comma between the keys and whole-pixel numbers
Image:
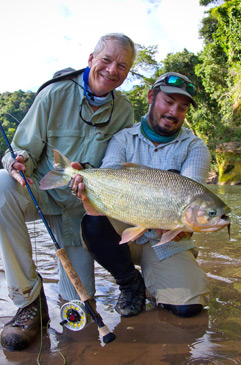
[{"x": 124, "y": 41}]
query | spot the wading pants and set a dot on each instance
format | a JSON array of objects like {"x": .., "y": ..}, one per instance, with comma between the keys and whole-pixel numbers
[
  {"x": 17, "y": 208},
  {"x": 177, "y": 280}
]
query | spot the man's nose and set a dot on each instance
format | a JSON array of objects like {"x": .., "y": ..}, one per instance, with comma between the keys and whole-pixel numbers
[
  {"x": 173, "y": 110},
  {"x": 112, "y": 68}
]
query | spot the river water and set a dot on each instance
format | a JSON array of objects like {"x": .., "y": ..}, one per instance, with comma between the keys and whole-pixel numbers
[{"x": 155, "y": 336}]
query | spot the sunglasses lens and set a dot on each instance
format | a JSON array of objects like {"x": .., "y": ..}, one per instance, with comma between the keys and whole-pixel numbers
[
  {"x": 191, "y": 89},
  {"x": 178, "y": 82},
  {"x": 175, "y": 81}
]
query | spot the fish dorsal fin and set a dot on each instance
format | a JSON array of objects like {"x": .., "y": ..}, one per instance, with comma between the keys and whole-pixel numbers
[
  {"x": 60, "y": 161},
  {"x": 131, "y": 166}
]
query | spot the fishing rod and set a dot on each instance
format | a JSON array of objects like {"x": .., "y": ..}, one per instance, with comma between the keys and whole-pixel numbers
[{"x": 68, "y": 267}]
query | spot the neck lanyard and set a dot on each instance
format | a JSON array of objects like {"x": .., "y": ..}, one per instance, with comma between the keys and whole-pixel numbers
[{"x": 91, "y": 99}]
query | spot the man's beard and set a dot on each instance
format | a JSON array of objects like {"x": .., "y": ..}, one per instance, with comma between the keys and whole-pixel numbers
[{"x": 158, "y": 129}]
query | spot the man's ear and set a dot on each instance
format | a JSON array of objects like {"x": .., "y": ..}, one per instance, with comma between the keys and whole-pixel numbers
[
  {"x": 150, "y": 96},
  {"x": 90, "y": 60}
]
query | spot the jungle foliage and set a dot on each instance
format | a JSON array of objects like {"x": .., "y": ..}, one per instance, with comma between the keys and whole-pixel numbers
[
  {"x": 13, "y": 107},
  {"x": 216, "y": 71}
]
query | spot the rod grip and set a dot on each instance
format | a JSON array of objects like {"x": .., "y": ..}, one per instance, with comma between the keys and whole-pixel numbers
[{"x": 70, "y": 271}]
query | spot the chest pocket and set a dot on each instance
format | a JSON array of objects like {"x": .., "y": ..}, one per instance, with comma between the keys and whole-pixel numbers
[{"x": 87, "y": 145}]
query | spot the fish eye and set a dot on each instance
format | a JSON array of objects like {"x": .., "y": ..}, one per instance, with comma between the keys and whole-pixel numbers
[{"x": 212, "y": 213}]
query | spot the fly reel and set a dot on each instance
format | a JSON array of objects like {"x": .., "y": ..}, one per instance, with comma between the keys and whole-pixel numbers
[{"x": 74, "y": 315}]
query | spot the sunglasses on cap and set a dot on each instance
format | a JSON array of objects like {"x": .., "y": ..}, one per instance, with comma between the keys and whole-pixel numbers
[{"x": 177, "y": 81}]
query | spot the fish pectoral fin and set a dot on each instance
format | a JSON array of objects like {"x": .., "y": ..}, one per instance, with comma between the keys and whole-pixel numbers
[
  {"x": 91, "y": 210},
  {"x": 53, "y": 179},
  {"x": 169, "y": 235},
  {"x": 131, "y": 234}
]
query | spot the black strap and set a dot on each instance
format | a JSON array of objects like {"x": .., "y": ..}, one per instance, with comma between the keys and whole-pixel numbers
[{"x": 64, "y": 74}]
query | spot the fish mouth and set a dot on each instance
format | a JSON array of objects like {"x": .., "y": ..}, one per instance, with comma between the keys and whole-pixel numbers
[
  {"x": 225, "y": 219},
  {"x": 222, "y": 221}
]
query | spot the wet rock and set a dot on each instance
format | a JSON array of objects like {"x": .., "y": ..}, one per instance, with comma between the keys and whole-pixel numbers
[
  {"x": 212, "y": 177},
  {"x": 228, "y": 157}
]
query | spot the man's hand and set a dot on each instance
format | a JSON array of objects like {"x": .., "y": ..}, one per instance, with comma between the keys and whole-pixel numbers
[
  {"x": 19, "y": 166},
  {"x": 78, "y": 188},
  {"x": 179, "y": 237},
  {"x": 76, "y": 181}
]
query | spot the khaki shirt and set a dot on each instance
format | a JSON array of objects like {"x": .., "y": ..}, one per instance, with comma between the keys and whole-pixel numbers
[{"x": 53, "y": 122}]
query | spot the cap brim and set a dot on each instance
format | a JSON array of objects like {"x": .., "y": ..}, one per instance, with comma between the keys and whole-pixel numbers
[{"x": 176, "y": 90}]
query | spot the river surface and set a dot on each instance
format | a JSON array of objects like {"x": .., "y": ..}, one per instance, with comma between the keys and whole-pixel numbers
[{"x": 155, "y": 336}]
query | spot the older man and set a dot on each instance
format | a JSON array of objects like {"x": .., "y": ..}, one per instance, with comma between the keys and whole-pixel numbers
[
  {"x": 171, "y": 273},
  {"x": 77, "y": 116}
]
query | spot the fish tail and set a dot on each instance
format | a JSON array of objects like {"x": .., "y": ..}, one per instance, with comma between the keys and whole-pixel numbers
[{"x": 53, "y": 179}]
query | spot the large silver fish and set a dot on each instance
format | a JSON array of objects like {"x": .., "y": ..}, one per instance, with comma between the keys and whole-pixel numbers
[{"x": 145, "y": 198}]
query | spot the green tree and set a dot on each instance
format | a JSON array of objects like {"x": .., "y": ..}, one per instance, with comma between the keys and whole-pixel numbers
[
  {"x": 219, "y": 67},
  {"x": 13, "y": 107},
  {"x": 142, "y": 73}
]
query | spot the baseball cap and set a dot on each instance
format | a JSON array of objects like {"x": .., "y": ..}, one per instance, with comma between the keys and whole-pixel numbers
[{"x": 176, "y": 83}]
